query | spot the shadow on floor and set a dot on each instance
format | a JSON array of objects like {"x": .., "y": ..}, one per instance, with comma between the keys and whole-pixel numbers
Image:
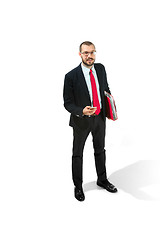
[{"x": 134, "y": 178}]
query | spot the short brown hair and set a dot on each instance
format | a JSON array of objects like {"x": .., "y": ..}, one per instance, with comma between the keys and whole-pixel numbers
[{"x": 86, "y": 43}]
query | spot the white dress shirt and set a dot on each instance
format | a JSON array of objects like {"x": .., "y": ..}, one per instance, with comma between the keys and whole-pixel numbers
[{"x": 86, "y": 72}]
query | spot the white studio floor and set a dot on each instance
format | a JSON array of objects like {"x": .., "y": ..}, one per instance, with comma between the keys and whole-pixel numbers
[
  {"x": 37, "y": 199},
  {"x": 132, "y": 213}
]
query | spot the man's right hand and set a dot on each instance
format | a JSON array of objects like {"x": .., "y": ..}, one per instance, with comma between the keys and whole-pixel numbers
[{"x": 88, "y": 110}]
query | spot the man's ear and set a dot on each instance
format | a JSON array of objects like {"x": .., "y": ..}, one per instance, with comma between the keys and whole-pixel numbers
[{"x": 79, "y": 54}]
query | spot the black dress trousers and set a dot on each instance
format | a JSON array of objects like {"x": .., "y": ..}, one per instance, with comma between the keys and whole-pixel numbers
[{"x": 95, "y": 126}]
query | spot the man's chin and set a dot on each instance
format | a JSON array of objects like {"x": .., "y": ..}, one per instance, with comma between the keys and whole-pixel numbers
[{"x": 88, "y": 63}]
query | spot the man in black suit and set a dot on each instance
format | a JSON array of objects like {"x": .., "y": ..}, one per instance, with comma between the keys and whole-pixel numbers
[{"x": 87, "y": 115}]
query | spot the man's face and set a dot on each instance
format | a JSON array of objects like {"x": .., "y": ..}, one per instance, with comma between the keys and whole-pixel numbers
[{"x": 88, "y": 55}]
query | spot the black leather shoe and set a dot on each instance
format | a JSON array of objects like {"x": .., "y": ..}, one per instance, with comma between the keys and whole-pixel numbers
[
  {"x": 79, "y": 194},
  {"x": 107, "y": 185}
]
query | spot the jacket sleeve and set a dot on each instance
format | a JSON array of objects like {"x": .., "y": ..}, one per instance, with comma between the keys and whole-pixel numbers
[
  {"x": 106, "y": 86},
  {"x": 69, "y": 99}
]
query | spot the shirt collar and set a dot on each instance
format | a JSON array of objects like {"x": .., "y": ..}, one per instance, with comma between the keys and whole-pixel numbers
[{"x": 87, "y": 70}]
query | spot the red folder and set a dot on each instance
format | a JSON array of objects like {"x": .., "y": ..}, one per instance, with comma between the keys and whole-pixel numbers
[{"x": 111, "y": 111}]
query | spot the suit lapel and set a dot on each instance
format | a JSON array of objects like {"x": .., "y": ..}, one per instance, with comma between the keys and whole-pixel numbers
[
  {"x": 99, "y": 76},
  {"x": 82, "y": 81}
]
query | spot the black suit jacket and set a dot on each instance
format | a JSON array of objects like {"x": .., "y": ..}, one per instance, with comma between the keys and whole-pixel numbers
[{"x": 76, "y": 94}]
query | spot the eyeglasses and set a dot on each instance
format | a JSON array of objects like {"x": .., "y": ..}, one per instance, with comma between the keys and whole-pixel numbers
[{"x": 86, "y": 54}]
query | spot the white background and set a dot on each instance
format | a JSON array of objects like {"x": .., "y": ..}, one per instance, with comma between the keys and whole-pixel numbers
[{"x": 38, "y": 45}]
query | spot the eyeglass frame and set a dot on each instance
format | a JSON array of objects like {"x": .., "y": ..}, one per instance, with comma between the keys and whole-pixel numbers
[{"x": 87, "y": 53}]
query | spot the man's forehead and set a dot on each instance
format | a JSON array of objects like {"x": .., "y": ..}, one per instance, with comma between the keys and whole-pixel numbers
[{"x": 88, "y": 48}]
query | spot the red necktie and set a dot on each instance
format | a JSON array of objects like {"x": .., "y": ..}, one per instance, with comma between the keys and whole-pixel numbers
[{"x": 94, "y": 93}]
